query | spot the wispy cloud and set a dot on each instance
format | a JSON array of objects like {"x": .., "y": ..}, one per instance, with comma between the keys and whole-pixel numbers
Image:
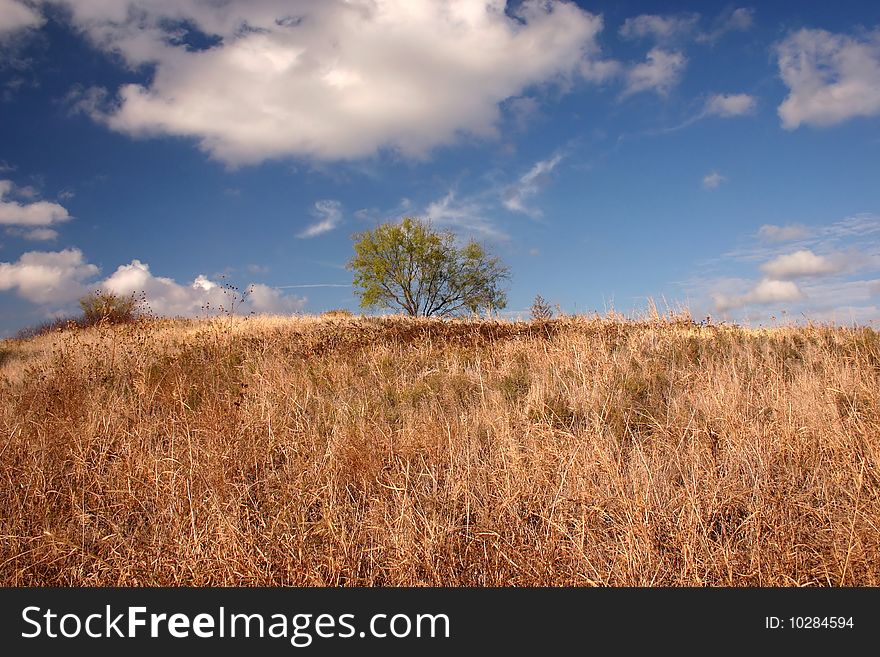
[
  {"x": 660, "y": 28},
  {"x": 33, "y": 234},
  {"x": 523, "y": 111},
  {"x": 685, "y": 26},
  {"x": 515, "y": 198},
  {"x": 660, "y": 72},
  {"x": 740, "y": 19},
  {"x": 730, "y": 105},
  {"x": 787, "y": 233},
  {"x": 464, "y": 215},
  {"x": 329, "y": 215},
  {"x": 713, "y": 180}
]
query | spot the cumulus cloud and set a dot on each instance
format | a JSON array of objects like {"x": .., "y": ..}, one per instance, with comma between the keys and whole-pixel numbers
[
  {"x": 799, "y": 264},
  {"x": 830, "y": 274},
  {"x": 57, "y": 279},
  {"x": 529, "y": 184},
  {"x": 728, "y": 105},
  {"x": 660, "y": 72},
  {"x": 831, "y": 77},
  {"x": 660, "y": 28},
  {"x": 165, "y": 296},
  {"x": 271, "y": 300},
  {"x": 713, "y": 180},
  {"x": 45, "y": 277},
  {"x": 765, "y": 292},
  {"x": 787, "y": 233},
  {"x": 36, "y": 213},
  {"x": 261, "y": 79},
  {"x": 329, "y": 215},
  {"x": 15, "y": 16}
]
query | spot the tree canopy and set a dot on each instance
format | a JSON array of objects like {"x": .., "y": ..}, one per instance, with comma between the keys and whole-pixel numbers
[{"x": 411, "y": 266}]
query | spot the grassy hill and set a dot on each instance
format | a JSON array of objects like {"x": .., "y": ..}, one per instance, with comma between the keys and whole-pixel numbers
[{"x": 392, "y": 451}]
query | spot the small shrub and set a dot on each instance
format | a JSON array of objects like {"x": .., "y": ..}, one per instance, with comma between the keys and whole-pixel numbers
[
  {"x": 541, "y": 310},
  {"x": 108, "y": 308},
  {"x": 338, "y": 312}
]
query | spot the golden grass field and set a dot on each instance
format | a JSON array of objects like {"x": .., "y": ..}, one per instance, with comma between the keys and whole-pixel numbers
[{"x": 392, "y": 451}]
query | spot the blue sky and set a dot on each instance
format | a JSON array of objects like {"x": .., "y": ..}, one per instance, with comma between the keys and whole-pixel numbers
[{"x": 721, "y": 156}]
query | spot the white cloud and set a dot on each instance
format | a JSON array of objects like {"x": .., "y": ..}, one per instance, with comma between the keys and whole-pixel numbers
[
  {"x": 37, "y": 213},
  {"x": 765, "y": 292},
  {"x": 739, "y": 20},
  {"x": 516, "y": 196},
  {"x": 165, "y": 296},
  {"x": 713, "y": 180},
  {"x": 45, "y": 277},
  {"x": 329, "y": 215},
  {"x": 861, "y": 226},
  {"x": 33, "y": 234},
  {"x": 270, "y": 300},
  {"x": 524, "y": 110},
  {"x": 600, "y": 70},
  {"x": 728, "y": 105},
  {"x": 837, "y": 292},
  {"x": 799, "y": 264},
  {"x": 660, "y": 28},
  {"x": 15, "y": 16},
  {"x": 683, "y": 26},
  {"x": 660, "y": 72},
  {"x": 330, "y": 80},
  {"x": 815, "y": 287},
  {"x": 464, "y": 215},
  {"x": 831, "y": 77},
  {"x": 57, "y": 279},
  {"x": 771, "y": 291},
  {"x": 774, "y": 233}
]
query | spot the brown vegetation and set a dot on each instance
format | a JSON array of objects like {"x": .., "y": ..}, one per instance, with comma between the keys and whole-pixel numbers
[{"x": 351, "y": 451}]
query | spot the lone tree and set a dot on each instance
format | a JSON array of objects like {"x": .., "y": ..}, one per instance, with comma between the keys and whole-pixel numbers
[{"x": 410, "y": 266}]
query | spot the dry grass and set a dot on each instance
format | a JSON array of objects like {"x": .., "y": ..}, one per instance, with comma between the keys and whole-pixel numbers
[{"x": 347, "y": 451}]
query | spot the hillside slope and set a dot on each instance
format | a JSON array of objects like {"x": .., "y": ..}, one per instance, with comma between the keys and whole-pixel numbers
[{"x": 346, "y": 451}]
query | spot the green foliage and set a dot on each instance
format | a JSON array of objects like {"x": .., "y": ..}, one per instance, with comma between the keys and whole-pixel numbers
[
  {"x": 108, "y": 308},
  {"x": 410, "y": 266}
]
